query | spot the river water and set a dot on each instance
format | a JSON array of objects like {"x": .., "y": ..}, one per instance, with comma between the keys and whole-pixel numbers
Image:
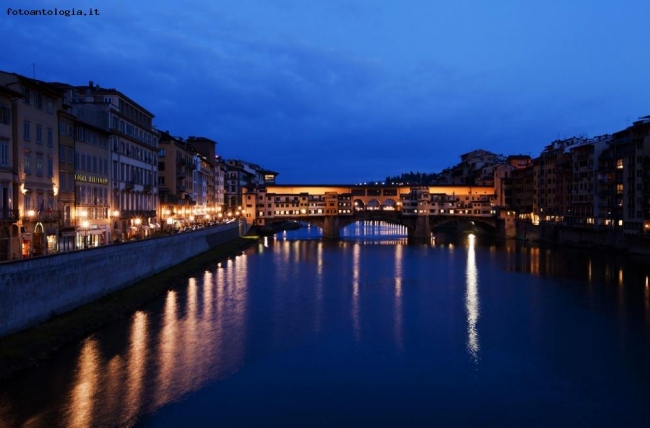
[{"x": 365, "y": 331}]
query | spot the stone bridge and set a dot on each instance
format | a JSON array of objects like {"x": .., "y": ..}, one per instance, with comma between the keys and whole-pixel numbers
[
  {"x": 417, "y": 226},
  {"x": 421, "y": 209}
]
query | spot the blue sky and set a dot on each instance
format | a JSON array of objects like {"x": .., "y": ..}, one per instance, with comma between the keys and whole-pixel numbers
[{"x": 342, "y": 91}]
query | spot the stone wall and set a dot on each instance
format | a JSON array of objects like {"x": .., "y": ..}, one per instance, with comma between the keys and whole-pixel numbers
[
  {"x": 585, "y": 237},
  {"x": 32, "y": 290}
]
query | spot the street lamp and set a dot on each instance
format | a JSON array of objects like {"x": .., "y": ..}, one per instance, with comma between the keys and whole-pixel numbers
[
  {"x": 170, "y": 222},
  {"x": 138, "y": 221},
  {"x": 84, "y": 226}
]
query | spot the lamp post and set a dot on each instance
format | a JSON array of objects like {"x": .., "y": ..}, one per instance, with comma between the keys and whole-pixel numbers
[
  {"x": 138, "y": 221},
  {"x": 115, "y": 215},
  {"x": 170, "y": 223},
  {"x": 84, "y": 226},
  {"x": 30, "y": 215}
]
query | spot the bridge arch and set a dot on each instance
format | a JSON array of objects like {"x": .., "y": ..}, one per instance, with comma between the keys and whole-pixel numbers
[
  {"x": 390, "y": 205},
  {"x": 359, "y": 205},
  {"x": 485, "y": 223},
  {"x": 373, "y": 205}
]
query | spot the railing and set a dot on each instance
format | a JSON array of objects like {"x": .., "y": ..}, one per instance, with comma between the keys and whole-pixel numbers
[{"x": 44, "y": 215}]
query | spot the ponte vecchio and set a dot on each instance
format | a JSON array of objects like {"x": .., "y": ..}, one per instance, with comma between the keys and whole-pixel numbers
[{"x": 332, "y": 207}]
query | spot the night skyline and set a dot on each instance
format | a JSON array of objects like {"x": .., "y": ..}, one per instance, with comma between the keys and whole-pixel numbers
[{"x": 342, "y": 92}]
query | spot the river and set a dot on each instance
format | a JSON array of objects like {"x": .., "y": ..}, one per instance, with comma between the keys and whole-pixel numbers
[{"x": 365, "y": 331}]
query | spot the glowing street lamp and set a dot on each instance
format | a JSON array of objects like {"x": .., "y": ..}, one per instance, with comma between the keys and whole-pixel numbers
[
  {"x": 85, "y": 225},
  {"x": 138, "y": 222}
]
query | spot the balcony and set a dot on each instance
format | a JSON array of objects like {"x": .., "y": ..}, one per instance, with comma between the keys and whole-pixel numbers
[
  {"x": 148, "y": 188},
  {"x": 44, "y": 215},
  {"x": 9, "y": 215},
  {"x": 129, "y": 185},
  {"x": 124, "y": 214}
]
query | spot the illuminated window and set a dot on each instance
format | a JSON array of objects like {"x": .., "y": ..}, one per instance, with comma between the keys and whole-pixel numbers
[{"x": 619, "y": 164}]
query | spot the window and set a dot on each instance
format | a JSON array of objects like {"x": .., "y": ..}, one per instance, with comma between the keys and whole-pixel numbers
[
  {"x": 619, "y": 163},
  {"x": 39, "y": 165},
  {"x": 70, "y": 155},
  {"x": 4, "y": 153},
  {"x": 50, "y": 167},
  {"x": 28, "y": 164},
  {"x": 39, "y": 134},
  {"x": 26, "y": 126},
  {"x": 5, "y": 115},
  {"x": 62, "y": 185},
  {"x": 50, "y": 137},
  {"x": 61, "y": 129},
  {"x": 27, "y": 96},
  {"x": 61, "y": 154},
  {"x": 38, "y": 101},
  {"x": 49, "y": 105}
]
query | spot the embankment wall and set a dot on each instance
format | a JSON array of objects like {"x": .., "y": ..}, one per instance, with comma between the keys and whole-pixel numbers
[{"x": 33, "y": 290}]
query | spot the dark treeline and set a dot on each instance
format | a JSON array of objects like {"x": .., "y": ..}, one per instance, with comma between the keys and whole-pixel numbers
[{"x": 414, "y": 178}]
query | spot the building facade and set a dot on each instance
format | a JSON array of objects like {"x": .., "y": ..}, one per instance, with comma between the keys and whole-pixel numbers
[
  {"x": 9, "y": 212},
  {"x": 35, "y": 122},
  {"x": 132, "y": 202}
]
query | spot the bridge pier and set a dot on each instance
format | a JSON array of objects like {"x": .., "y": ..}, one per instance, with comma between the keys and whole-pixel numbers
[
  {"x": 331, "y": 227},
  {"x": 422, "y": 230}
]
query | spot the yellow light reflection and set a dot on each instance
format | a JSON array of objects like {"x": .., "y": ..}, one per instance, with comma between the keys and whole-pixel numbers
[
  {"x": 620, "y": 276},
  {"x": 167, "y": 350},
  {"x": 534, "y": 261},
  {"x": 82, "y": 394},
  {"x": 136, "y": 365},
  {"x": 356, "y": 250},
  {"x": 472, "y": 300},
  {"x": 319, "y": 286},
  {"x": 398, "y": 328}
]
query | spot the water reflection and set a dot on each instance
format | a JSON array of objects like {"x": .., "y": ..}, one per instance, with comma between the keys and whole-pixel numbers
[
  {"x": 199, "y": 337},
  {"x": 471, "y": 299},
  {"x": 288, "y": 317},
  {"x": 356, "y": 251},
  {"x": 398, "y": 329},
  {"x": 86, "y": 384},
  {"x": 375, "y": 232},
  {"x": 136, "y": 365}
]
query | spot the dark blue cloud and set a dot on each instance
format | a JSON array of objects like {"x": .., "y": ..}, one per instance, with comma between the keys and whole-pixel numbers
[{"x": 346, "y": 91}]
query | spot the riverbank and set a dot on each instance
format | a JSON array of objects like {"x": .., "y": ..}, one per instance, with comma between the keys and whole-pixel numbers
[{"x": 26, "y": 348}]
